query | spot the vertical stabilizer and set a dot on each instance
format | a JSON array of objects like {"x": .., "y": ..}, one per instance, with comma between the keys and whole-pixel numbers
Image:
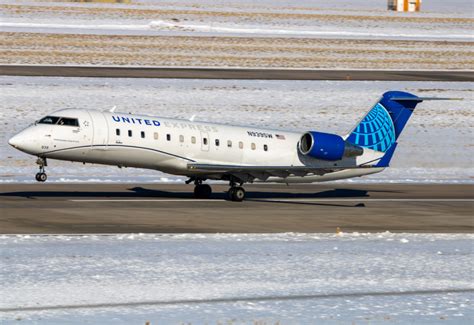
[{"x": 384, "y": 123}]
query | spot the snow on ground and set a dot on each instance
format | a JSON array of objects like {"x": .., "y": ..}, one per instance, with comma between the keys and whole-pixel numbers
[
  {"x": 436, "y": 146},
  {"x": 239, "y": 278},
  {"x": 340, "y": 18},
  {"x": 164, "y": 27}
]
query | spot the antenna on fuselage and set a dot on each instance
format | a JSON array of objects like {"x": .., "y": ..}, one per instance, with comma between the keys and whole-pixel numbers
[
  {"x": 192, "y": 118},
  {"x": 112, "y": 109}
]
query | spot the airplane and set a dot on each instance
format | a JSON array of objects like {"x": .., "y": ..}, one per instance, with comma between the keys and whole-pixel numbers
[{"x": 208, "y": 151}]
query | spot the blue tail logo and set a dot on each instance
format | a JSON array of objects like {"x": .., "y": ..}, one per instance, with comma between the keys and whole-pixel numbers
[
  {"x": 376, "y": 131},
  {"x": 381, "y": 127}
]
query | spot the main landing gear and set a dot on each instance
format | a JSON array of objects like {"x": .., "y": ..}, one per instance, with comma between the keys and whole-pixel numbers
[
  {"x": 236, "y": 193},
  {"x": 201, "y": 191},
  {"x": 41, "y": 176}
]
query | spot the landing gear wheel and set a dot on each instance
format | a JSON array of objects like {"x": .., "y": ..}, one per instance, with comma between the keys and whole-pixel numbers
[
  {"x": 236, "y": 194},
  {"x": 41, "y": 177},
  {"x": 202, "y": 191}
]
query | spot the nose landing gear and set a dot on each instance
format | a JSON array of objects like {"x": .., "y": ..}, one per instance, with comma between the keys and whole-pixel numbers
[{"x": 41, "y": 176}]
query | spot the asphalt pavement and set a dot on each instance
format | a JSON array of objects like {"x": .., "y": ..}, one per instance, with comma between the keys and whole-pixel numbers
[
  {"x": 235, "y": 73},
  {"x": 171, "y": 208}
]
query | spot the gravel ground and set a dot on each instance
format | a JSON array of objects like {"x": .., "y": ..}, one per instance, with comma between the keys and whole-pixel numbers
[
  {"x": 31, "y": 48},
  {"x": 305, "y": 34}
]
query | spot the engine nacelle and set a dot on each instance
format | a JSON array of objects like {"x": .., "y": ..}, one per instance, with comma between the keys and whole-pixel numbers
[{"x": 327, "y": 146}]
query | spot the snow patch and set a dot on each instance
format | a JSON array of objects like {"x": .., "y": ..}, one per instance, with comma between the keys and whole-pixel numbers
[
  {"x": 242, "y": 30},
  {"x": 51, "y": 270}
]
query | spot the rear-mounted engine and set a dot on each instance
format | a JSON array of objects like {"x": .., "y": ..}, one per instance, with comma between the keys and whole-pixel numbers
[{"x": 327, "y": 146}]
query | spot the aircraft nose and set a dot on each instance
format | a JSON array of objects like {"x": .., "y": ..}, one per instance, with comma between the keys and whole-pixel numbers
[
  {"x": 15, "y": 141},
  {"x": 24, "y": 141}
]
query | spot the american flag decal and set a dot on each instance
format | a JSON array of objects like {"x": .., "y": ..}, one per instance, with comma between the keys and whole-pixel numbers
[{"x": 280, "y": 136}]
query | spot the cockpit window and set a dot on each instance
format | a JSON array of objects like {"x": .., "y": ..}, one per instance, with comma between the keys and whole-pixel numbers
[
  {"x": 68, "y": 121},
  {"x": 59, "y": 121},
  {"x": 49, "y": 120}
]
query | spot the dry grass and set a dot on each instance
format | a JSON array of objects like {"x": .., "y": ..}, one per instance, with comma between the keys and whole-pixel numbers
[
  {"x": 30, "y": 48},
  {"x": 195, "y": 14}
]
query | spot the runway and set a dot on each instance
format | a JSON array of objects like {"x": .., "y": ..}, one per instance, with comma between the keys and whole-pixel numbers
[
  {"x": 235, "y": 73},
  {"x": 165, "y": 208}
]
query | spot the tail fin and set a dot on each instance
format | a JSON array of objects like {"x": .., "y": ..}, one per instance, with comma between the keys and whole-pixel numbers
[{"x": 383, "y": 124}]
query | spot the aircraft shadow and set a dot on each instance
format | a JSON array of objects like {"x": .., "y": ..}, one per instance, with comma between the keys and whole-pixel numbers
[{"x": 140, "y": 192}]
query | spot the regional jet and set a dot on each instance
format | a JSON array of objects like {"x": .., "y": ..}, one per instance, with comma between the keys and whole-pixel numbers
[{"x": 208, "y": 151}]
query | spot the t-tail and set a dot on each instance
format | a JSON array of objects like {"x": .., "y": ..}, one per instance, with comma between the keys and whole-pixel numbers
[{"x": 383, "y": 124}]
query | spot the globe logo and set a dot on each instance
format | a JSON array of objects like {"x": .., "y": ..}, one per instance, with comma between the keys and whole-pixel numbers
[{"x": 375, "y": 131}]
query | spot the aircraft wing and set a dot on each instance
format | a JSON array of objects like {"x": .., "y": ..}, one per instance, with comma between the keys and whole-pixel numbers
[{"x": 263, "y": 172}]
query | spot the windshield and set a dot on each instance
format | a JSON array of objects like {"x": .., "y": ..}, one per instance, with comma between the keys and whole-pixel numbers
[
  {"x": 59, "y": 121},
  {"x": 49, "y": 120},
  {"x": 68, "y": 121}
]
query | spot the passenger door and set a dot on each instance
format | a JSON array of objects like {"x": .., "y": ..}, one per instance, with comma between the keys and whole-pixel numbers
[{"x": 100, "y": 130}]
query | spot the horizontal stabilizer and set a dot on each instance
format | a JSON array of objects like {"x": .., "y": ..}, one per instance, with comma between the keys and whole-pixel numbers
[{"x": 420, "y": 99}]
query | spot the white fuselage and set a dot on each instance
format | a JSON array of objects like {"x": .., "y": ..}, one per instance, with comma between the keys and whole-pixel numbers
[{"x": 169, "y": 145}]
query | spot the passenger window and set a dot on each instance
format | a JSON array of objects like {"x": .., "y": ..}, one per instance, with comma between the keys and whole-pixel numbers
[
  {"x": 265, "y": 147},
  {"x": 204, "y": 141},
  {"x": 193, "y": 139},
  {"x": 217, "y": 142},
  {"x": 229, "y": 143},
  {"x": 117, "y": 131},
  {"x": 241, "y": 145},
  {"x": 253, "y": 146},
  {"x": 181, "y": 138},
  {"x": 155, "y": 135},
  {"x": 129, "y": 133},
  {"x": 49, "y": 120},
  {"x": 168, "y": 137},
  {"x": 143, "y": 134}
]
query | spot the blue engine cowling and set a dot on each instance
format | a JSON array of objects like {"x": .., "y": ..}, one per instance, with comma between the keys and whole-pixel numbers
[{"x": 327, "y": 146}]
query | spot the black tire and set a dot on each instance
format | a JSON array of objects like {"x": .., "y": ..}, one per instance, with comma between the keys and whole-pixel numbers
[
  {"x": 42, "y": 177},
  {"x": 207, "y": 191},
  {"x": 237, "y": 194},
  {"x": 37, "y": 177},
  {"x": 230, "y": 194},
  {"x": 202, "y": 191}
]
